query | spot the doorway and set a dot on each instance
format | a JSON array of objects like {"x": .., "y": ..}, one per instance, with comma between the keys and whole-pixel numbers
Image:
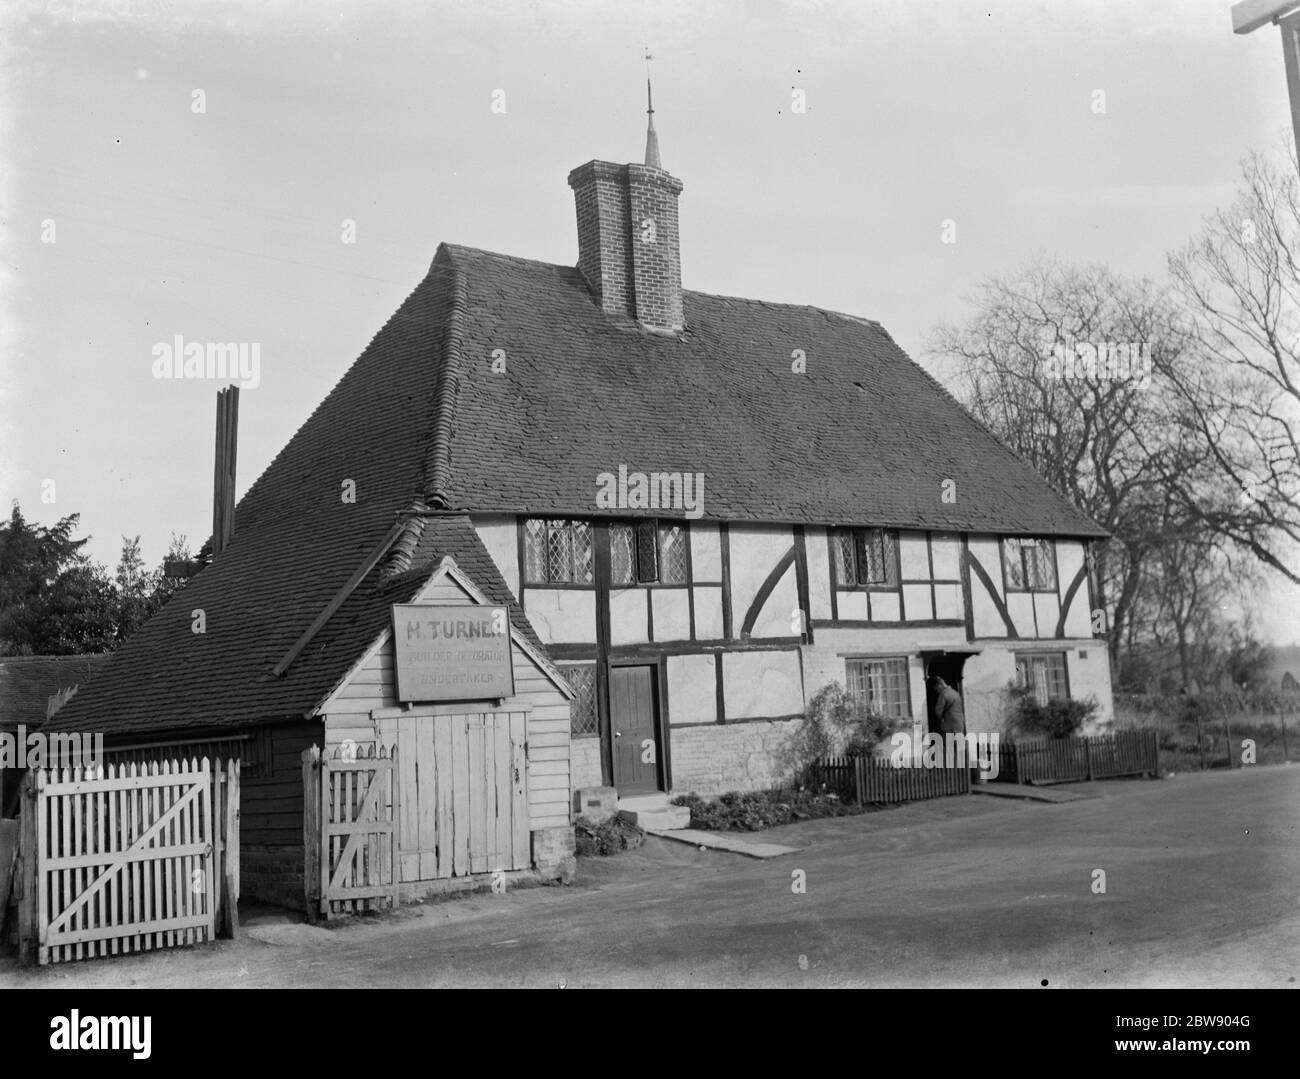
[{"x": 634, "y": 727}]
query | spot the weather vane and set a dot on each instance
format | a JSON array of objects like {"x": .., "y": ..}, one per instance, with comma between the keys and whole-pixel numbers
[{"x": 651, "y": 139}]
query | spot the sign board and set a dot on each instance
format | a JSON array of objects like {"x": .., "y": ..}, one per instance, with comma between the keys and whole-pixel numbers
[{"x": 452, "y": 653}]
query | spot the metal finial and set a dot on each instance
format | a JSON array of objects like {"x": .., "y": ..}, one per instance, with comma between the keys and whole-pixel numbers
[{"x": 651, "y": 138}]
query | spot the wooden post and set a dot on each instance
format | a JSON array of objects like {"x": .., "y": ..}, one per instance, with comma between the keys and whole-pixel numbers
[
  {"x": 1281, "y": 715},
  {"x": 1087, "y": 757},
  {"x": 311, "y": 835},
  {"x": 230, "y": 882},
  {"x": 28, "y": 867}
]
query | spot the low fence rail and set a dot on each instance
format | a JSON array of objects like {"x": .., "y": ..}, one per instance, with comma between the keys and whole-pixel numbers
[
  {"x": 871, "y": 780},
  {"x": 1070, "y": 760}
]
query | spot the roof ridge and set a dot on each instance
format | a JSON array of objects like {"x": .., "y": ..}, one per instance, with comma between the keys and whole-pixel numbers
[{"x": 438, "y": 465}]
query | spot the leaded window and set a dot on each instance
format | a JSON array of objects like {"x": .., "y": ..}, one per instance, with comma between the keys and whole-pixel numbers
[
  {"x": 649, "y": 552},
  {"x": 582, "y": 677},
  {"x": 1028, "y": 564},
  {"x": 865, "y": 557},
  {"x": 558, "y": 552}
]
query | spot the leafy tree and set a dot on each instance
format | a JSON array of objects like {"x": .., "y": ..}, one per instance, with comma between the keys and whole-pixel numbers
[{"x": 53, "y": 599}]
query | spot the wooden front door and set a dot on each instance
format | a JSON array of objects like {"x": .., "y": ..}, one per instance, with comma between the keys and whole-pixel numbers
[{"x": 633, "y": 726}]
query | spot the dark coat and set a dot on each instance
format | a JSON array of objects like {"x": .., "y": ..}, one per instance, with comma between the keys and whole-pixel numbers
[{"x": 948, "y": 714}]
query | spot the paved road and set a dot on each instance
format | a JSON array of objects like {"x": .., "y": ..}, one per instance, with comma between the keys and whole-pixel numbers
[{"x": 1201, "y": 885}]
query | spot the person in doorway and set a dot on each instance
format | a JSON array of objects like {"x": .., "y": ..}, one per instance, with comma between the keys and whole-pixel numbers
[{"x": 947, "y": 716}]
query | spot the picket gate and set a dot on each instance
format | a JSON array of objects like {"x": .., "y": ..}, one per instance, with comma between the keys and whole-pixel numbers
[{"x": 127, "y": 858}]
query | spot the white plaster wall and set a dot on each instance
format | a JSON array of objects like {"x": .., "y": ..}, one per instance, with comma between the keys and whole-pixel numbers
[
  {"x": 819, "y": 573},
  {"x": 562, "y": 615},
  {"x": 1020, "y": 605},
  {"x": 1047, "y": 609},
  {"x": 706, "y": 552},
  {"x": 501, "y": 538},
  {"x": 757, "y": 684},
  {"x": 984, "y": 681},
  {"x": 708, "y": 613},
  {"x": 1069, "y": 560},
  {"x": 1090, "y": 676},
  {"x": 988, "y": 674},
  {"x": 913, "y": 556},
  {"x": 885, "y": 607},
  {"x": 824, "y": 661},
  {"x": 672, "y": 611},
  {"x": 916, "y": 602},
  {"x": 627, "y": 616},
  {"x": 755, "y": 551},
  {"x": 852, "y": 606},
  {"x": 945, "y": 548},
  {"x": 692, "y": 689},
  {"x": 947, "y": 600}
]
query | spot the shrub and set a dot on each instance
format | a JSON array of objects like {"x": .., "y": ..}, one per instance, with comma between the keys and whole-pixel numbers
[
  {"x": 609, "y": 837},
  {"x": 1055, "y": 719},
  {"x": 750, "y": 811},
  {"x": 836, "y": 724}
]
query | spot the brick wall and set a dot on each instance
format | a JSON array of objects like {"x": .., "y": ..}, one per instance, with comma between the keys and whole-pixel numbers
[
  {"x": 629, "y": 274},
  {"x": 272, "y": 874},
  {"x": 715, "y": 759}
]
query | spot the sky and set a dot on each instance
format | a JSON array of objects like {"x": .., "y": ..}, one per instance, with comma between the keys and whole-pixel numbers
[{"x": 170, "y": 167}]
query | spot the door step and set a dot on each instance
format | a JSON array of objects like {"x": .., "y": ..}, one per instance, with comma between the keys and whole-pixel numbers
[{"x": 652, "y": 811}]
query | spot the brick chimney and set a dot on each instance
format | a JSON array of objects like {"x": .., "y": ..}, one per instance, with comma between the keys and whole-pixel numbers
[{"x": 628, "y": 245}]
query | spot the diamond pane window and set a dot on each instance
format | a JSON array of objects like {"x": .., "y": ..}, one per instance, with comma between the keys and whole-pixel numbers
[
  {"x": 622, "y": 550},
  {"x": 582, "y": 677},
  {"x": 557, "y": 552},
  {"x": 672, "y": 554},
  {"x": 534, "y": 551},
  {"x": 583, "y": 562},
  {"x": 842, "y": 557},
  {"x": 1028, "y": 564},
  {"x": 865, "y": 556}
]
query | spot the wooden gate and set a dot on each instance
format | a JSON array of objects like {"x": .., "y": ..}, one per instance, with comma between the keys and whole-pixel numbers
[
  {"x": 352, "y": 803},
  {"x": 128, "y": 858}
]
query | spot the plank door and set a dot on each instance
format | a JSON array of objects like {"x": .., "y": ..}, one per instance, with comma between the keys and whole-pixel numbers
[
  {"x": 464, "y": 794},
  {"x": 632, "y": 715}
]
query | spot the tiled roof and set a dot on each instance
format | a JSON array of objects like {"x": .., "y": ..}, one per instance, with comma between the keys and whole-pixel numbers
[
  {"x": 28, "y": 682},
  {"x": 422, "y": 419},
  {"x": 865, "y": 436}
]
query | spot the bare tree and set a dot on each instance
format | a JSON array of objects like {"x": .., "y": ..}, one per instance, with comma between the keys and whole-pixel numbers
[
  {"x": 1105, "y": 439},
  {"x": 1240, "y": 280}
]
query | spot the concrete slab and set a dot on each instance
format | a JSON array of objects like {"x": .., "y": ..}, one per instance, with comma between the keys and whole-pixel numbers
[
  {"x": 714, "y": 841},
  {"x": 1023, "y": 790}
]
